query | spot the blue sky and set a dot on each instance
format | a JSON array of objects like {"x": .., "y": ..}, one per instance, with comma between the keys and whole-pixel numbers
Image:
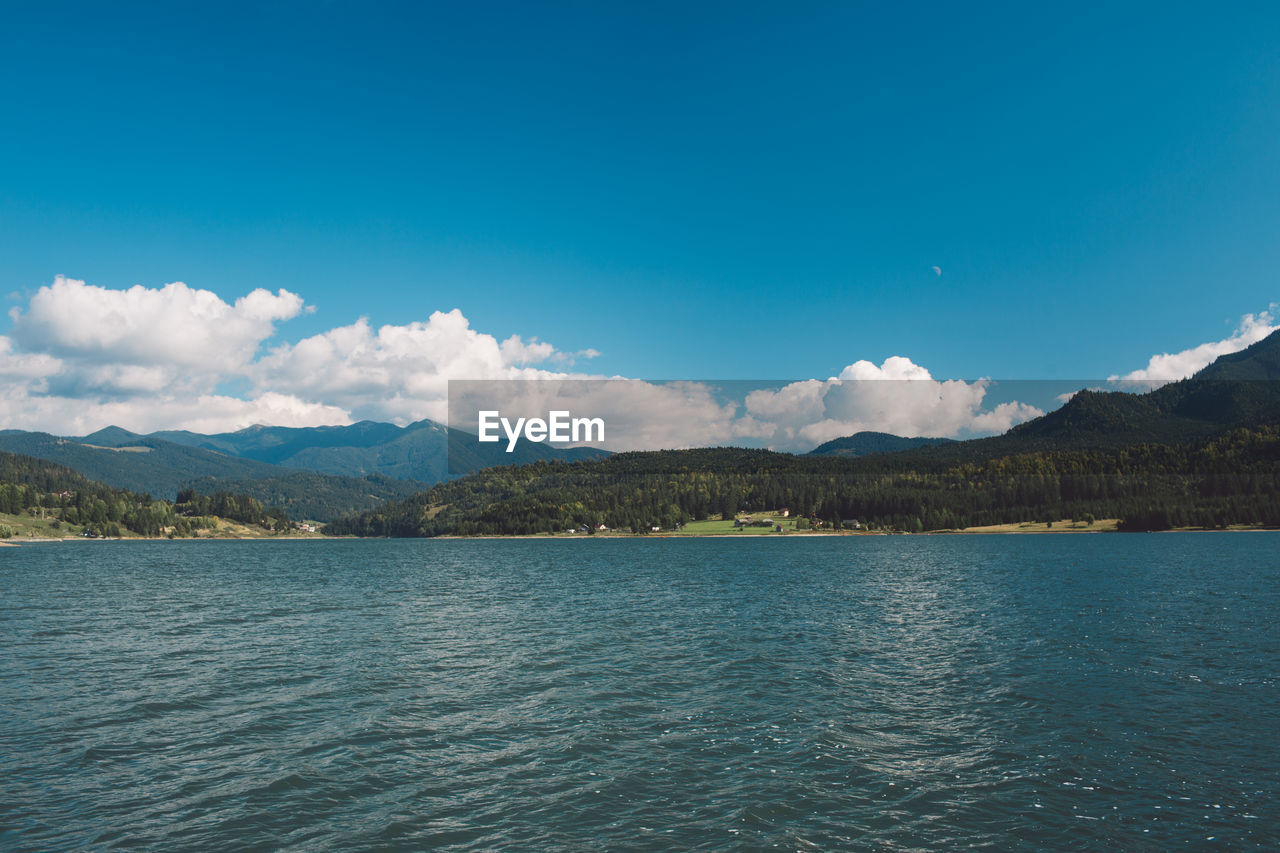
[{"x": 722, "y": 190}]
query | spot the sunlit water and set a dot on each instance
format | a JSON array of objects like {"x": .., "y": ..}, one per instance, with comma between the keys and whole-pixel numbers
[{"x": 1053, "y": 692}]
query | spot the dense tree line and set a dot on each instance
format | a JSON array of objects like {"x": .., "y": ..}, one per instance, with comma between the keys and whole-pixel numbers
[
  {"x": 46, "y": 490},
  {"x": 242, "y": 508},
  {"x": 308, "y": 494},
  {"x": 163, "y": 468},
  {"x": 1230, "y": 478}
]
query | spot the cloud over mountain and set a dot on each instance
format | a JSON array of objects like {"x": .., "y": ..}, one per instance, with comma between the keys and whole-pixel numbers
[
  {"x": 79, "y": 357},
  {"x": 398, "y": 372},
  {"x": 898, "y": 397},
  {"x": 1170, "y": 367},
  {"x": 144, "y": 339}
]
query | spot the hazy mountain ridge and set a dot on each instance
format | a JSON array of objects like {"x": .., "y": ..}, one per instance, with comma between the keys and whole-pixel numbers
[
  {"x": 278, "y": 445},
  {"x": 420, "y": 451},
  {"x": 868, "y": 443},
  {"x": 146, "y": 465}
]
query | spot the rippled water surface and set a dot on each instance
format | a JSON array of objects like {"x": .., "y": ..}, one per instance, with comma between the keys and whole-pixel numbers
[{"x": 1052, "y": 692}]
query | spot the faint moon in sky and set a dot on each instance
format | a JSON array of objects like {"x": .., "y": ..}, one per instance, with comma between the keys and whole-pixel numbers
[{"x": 938, "y": 270}]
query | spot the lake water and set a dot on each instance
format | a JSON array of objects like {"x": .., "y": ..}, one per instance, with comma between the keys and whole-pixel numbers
[{"x": 1003, "y": 693}]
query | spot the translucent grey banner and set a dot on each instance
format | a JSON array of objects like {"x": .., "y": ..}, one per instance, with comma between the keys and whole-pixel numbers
[{"x": 495, "y": 422}]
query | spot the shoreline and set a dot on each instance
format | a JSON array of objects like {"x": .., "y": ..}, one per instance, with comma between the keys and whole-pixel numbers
[{"x": 18, "y": 542}]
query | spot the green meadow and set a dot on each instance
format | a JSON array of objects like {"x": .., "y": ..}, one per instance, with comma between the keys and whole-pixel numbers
[{"x": 726, "y": 528}]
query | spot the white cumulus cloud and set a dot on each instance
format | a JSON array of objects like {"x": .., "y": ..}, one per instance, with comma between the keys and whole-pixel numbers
[
  {"x": 141, "y": 325},
  {"x": 79, "y": 357},
  {"x": 1170, "y": 367},
  {"x": 894, "y": 367},
  {"x": 398, "y": 372},
  {"x": 18, "y": 366},
  {"x": 145, "y": 340},
  {"x": 20, "y": 408},
  {"x": 897, "y": 396}
]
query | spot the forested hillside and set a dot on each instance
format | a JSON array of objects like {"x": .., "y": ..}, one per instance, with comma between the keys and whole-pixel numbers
[
  {"x": 1202, "y": 452},
  {"x": 65, "y": 501},
  {"x": 317, "y": 473},
  {"x": 1233, "y": 478},
  {"x": 424, "y": 452},
  {"x": 150, "y": 465}
]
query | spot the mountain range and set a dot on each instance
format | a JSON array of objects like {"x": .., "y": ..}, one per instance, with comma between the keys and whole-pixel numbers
[
  {"x": 1199, "y": 452},
  {"x": 327, "y": 472},
  {"x": 1239, "y": 389},
  {"x": 424, "y": 451},
  {"x": 312, "y": 472}
]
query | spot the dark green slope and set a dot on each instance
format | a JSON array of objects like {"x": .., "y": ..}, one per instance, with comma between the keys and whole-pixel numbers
[
  {"x": 415, "y": 452},
  {"x": 1261, "y": 361},
  {"x": 1241, "y": 389},
  {"x": 1238, "y": 390},
  {"x": 315, "y": 496},
  {"x": 58, "y": 495},
  {"x": 112, "y": 436},
  {"x": 1179, "y": 412},
  {"x": 1230, "y": 478},
  {"x": 468, "y": 455},
  {"x": 870, "y": 443},
  {"x": 133, "y": 462},
  {"x": 42, "y": 474}
]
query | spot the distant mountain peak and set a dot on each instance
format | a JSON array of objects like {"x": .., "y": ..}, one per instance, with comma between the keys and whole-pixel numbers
[
  {"x": 110, "y": 436},
  {"x": 870, "y": 443}
]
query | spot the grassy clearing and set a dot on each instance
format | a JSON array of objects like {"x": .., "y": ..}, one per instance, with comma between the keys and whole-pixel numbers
[
  {"x": 223, "y": 529},
  {"x": 1100, "y": 525},
  {"x": 22, "y": 526},
  {"x": 719, "y": 527}
]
